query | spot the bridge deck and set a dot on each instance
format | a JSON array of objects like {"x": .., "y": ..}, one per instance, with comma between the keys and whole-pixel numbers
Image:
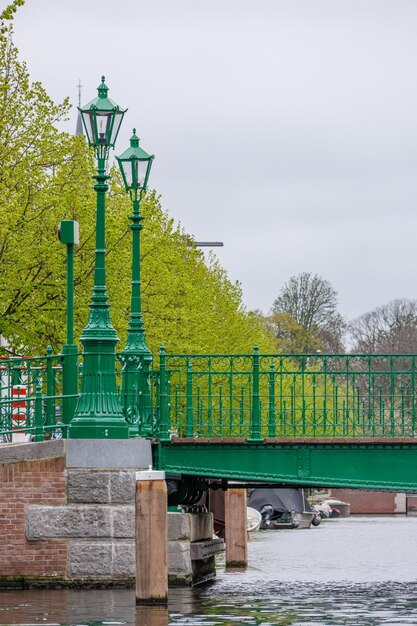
[{"x": 365, "y": 463}]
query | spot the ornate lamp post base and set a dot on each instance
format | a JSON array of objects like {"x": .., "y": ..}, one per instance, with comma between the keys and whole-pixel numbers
[
  {"x": 90, "y": 429},
  {"x": 99, "y": 413}
]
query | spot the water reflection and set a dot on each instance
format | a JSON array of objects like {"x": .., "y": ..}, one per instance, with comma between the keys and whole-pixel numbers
[
  {"x": 360, "y": 572},
  {"x": 151, "y": 616}
]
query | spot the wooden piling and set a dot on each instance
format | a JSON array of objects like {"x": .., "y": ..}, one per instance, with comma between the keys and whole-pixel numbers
[
  {"x": 236, "y": 536},
  {"x": 151, "y": 538}
]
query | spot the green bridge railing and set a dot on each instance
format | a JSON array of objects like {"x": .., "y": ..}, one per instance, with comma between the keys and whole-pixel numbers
[
  {"x": 248, "y": 396},
  {"x": 283, "y": 396},
  {"x": 31, "y": 398}
]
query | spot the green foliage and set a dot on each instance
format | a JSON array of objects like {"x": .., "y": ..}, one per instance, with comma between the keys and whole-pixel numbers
[
  {"x": 8, "y": 14},
  {"x": 45, "y": 176},
  {"x": 34, "y": 159},
  {"x": 292, "y": 337},
  {"x": 188, "y": 304}
]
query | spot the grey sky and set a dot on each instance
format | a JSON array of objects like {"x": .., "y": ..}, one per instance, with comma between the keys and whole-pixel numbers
[{"x": 287, "y": 129}]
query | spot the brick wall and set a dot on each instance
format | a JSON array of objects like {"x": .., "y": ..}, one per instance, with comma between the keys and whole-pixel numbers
[
  {"x": 371, "y": 502},
  {"x": 40, "y": 481}
]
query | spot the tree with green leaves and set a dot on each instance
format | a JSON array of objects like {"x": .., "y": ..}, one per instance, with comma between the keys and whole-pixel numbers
[
  {"x": 189, "y": 304},
  {"x": 291, "y": 337},
  {"x": 35, "y": 166}
]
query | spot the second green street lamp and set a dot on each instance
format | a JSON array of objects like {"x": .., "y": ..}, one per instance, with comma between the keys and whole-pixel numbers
[{"x": 135, "y": 166}]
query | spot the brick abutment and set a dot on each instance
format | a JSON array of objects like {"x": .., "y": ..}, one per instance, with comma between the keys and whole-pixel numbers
[{"x": 66, "y": 519}]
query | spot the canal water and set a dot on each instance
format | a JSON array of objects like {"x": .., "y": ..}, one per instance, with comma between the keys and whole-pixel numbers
[{"x": 359, "y": 571}]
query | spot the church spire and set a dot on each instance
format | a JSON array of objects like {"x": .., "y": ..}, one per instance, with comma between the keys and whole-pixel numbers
[{"x": 79, "y": 128}]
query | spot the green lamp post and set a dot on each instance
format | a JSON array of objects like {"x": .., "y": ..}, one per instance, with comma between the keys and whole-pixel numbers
[
  {"x": 135, "y": 165},
  {"x": 69, "y": 235},
  {"x": 99, "y": 413}
]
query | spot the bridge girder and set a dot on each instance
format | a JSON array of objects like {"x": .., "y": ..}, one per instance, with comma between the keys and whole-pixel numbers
[{"x": 386, "y": 466}]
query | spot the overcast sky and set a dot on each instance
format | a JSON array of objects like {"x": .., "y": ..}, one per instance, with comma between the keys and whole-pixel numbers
[{"x": 285, "y": 128}]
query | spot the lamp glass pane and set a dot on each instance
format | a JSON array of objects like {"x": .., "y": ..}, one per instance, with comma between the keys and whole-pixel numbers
[
  {"x": 140, "y": 169},
  {"x": 88, "y": 120},
  {"x": 127, "y": 169},
  {"x": 118, "y": 116},
  {"x": 103, "y": 121}
]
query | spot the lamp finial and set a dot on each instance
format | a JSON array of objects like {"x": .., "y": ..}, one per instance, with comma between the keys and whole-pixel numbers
[{"x": 102, "y": 88}]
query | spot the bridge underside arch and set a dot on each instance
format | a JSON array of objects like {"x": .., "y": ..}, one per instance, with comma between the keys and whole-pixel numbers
[{"x": 390, "y": 464}]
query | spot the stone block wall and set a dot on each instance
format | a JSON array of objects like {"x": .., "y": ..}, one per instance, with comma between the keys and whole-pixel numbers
[
  {"x": 62, "y": 522},
  {"x": 98, "y": 523}
]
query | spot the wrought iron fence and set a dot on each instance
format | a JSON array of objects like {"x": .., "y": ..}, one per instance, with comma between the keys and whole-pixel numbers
[
  {"x": 257, "y": 396},
  {"x": 32, "y": 403},
  {"x": 247, "y": 396},
  {"x": 35, "y": 405}
]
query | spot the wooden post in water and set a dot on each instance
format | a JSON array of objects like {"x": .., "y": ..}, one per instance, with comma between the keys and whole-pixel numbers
[
  {"x": 151, "y": 538},
  {"x": 236, "y": 535}
]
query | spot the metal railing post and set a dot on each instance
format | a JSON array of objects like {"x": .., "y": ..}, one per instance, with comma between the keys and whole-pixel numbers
[
  {"x": 69, "y": 384},
  {"x": 271, "y": 415},
  {"x": 50, "y": 389},
  {"x": 255, "y": 422},
  {"x": 163, "y": 425},
  {"x": 38, "y": 417},
  {"x": 189, "y": 429}
]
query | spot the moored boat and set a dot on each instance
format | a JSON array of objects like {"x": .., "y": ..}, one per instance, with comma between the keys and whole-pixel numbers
[
  {"x": 332, "y": 508},
  {"x": 283, "y": 508},
  {"x": 253, "y": 519},
  {"x": 338, "y": 507}
]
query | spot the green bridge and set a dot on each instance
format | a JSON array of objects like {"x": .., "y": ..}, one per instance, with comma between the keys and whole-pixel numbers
[{"x": 311, "y": 420}]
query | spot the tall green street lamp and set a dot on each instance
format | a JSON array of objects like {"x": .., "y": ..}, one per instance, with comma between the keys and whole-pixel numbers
[
  {"x": 99, "y": 413},
  {"x": 135, "y": 165}
]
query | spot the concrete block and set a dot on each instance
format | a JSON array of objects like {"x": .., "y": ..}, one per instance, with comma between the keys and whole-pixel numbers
[
  {"x": 109, "y": 453},
  {"x": 90, "y": 559},
  {"x": 191, "y": 526},
  {"x": 179, "y": 527},
  {"x": 57, "y": 522},
  {"x": 124, "y": 562},
  {"x": 179, "y": 559},
  {"x": 123, "y": 522},
  {"x": 30, "y": 451},
  {"x": 400, "y": 501},
  {"x": 201, "y": 526}
]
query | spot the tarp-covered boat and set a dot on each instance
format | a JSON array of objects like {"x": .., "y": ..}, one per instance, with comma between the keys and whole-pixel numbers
[{"x": 283, "y": 508}]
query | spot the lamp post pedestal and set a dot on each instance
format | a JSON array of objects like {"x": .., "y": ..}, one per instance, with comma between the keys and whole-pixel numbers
[{"x": 99, "y": 413}]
